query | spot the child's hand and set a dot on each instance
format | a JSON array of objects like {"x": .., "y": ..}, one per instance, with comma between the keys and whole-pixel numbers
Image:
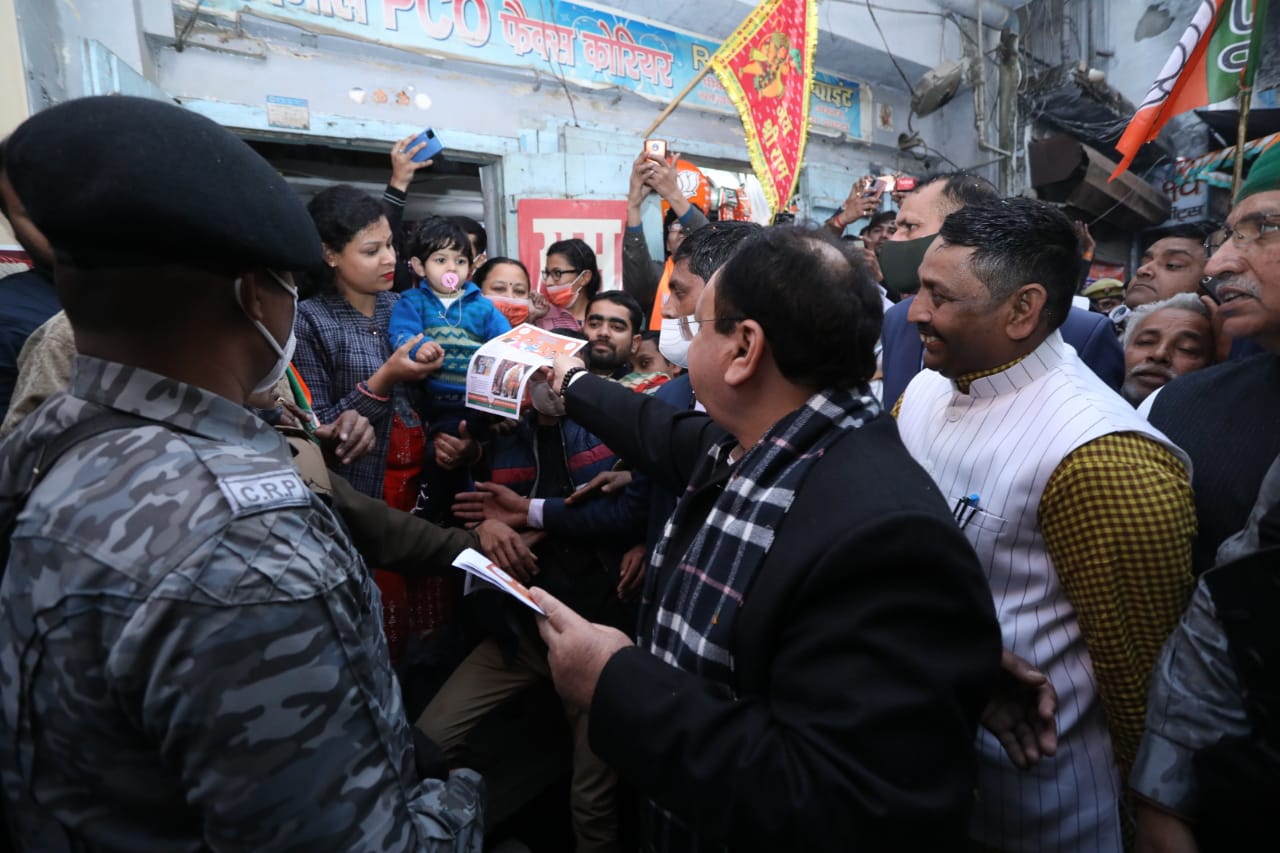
[
  {"x": 429, "y": 353},
  {"x": 401, "y": 368}
]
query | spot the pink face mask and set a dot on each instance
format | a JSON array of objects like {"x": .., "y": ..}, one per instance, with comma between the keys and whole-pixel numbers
[{"x": 449, "y": 281}]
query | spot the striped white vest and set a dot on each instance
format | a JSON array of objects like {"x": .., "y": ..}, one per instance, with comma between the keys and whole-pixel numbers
[{"x": 1003, "y": 440}]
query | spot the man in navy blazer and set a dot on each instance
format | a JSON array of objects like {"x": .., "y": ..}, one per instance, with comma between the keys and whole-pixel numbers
[
  {"x": 1092, "y": 335},
  {"x": 919, "y": 221}
]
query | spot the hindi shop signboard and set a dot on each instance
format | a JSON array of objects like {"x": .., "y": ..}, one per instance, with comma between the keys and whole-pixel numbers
[
  {"x": 541, "y": 222},
  {"x": 591, "y": 45},
  {"x": 1189, "y": 202}
]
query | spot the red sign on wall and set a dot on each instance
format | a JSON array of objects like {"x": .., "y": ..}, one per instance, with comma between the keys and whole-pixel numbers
[{"x": 600, "y": 224}]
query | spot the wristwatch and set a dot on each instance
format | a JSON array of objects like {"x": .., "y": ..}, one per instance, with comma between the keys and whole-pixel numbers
[{"x": 568, "y": 377}]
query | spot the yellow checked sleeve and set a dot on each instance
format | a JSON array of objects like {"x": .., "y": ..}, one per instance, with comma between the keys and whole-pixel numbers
[{"x": 1118, "y": 521}]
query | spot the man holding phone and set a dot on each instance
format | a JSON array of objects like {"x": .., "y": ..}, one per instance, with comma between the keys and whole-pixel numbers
[
  {"x": 863, "y": 200},
  {"x": 654, "y": 172}
]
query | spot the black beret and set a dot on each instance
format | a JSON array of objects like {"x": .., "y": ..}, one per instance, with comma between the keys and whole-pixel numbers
[{"x": 130, "y": 181}]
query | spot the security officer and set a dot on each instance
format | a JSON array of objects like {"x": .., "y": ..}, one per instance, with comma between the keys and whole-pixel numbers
[
  {"x": 191, "y": 645},
  {"x": 1104, "y": 295}
]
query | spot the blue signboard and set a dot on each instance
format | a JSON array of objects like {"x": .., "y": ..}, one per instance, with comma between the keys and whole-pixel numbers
[{"x": 590, "y": 45}]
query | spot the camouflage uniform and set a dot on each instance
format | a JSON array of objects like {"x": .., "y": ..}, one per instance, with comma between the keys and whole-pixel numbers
[{"x": 190, "y": 649}]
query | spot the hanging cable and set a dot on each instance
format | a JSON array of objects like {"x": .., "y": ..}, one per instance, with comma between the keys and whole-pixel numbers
[{"x": 871, "y": 10}]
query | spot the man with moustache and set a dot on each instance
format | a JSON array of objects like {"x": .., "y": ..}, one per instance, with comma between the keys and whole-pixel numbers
[
  {"x": 1164, "y": 340},
  {"x": 1227, "y": 417},
  {"x": 1025, "y": 441},
  {"x": 612, "y": 327},
  {"x": 919, "y": 219}
]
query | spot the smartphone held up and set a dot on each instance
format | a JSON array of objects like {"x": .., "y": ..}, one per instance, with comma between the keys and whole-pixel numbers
[{"x": 433, "y": 148}]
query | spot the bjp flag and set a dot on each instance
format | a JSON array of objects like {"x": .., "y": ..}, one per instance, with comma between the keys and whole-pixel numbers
[
  {"x": 1216, "y": 56},
  {"x": 766, "y": 66}
]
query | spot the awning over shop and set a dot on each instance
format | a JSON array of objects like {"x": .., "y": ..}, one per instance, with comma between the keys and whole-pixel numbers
[{"x": 1069, "y": 172}]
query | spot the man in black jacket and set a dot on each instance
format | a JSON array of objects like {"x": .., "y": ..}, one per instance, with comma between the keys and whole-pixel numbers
[
  {"x": 1227, "y": 417},
  {"x": 816, "y": 639}
]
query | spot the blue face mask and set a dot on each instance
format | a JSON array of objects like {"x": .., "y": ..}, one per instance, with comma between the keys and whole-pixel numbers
[{"x": 284, "y": 354}]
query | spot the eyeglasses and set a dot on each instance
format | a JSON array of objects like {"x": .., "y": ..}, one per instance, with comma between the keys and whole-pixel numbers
[
  {"x": 693, "y": 325},
  {"x": 1248, "y": 229},
  {"x": 556, "y": 275}
]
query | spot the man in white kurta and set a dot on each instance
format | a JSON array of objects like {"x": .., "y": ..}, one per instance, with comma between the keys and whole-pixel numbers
[{"x": 1080, "y": 512}]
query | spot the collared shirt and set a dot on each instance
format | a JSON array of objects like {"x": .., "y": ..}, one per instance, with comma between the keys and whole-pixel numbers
[
  {"x": 338, "y": 348},
  {"x": 1090, "y": 521},
  {"x": 965, "y": 380},
  {"x": 192, "y": 648},
  {"x": 1089, "y": 518},
  {"x": 1088, "y": 579}
]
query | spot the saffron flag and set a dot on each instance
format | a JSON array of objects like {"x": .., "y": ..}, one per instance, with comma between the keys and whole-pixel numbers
[
  {"x": 766, "y": 66},
  {"x": 1205, "y": 69}
]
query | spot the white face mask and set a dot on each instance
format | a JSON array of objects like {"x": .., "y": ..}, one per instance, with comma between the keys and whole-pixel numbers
[
  {"x": 284, "y": 354},
  {"x": 673, "y": 340}
]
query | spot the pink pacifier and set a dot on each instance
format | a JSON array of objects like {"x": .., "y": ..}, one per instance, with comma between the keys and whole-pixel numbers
[{"x": 449, "y": 281}]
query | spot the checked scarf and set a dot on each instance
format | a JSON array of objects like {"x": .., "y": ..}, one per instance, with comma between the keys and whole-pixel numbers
[{"x": 689, "y": 618}]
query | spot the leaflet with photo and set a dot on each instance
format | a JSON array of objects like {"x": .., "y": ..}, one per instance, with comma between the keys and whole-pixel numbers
[{"x": 499, "y": 371}]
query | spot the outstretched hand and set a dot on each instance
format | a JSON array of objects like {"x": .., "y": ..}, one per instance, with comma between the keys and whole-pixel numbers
[
  {"x": 507, "y": 549},
  {"x": 631, "y": 572},
  {"x": 606, "y": 482},
  {"x": 492, "y": 501},
  {"x": 400, "y": 367}
]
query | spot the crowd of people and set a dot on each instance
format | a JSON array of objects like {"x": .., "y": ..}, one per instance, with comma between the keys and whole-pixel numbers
[{"x": 908, "y": 539}]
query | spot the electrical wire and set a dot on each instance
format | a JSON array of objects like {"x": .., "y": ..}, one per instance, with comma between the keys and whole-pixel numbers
[
  {"x": 928, "y": 12},
  {"x": 1134, "y": 189},
  {"x": 180, "y": 42},
  {"x": 910, "y": 86},
  {"x": 557, "y": 70}
]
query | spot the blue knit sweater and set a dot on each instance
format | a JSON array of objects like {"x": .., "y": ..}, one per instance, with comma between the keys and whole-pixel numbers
[{"x": 460, "y": 329}]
